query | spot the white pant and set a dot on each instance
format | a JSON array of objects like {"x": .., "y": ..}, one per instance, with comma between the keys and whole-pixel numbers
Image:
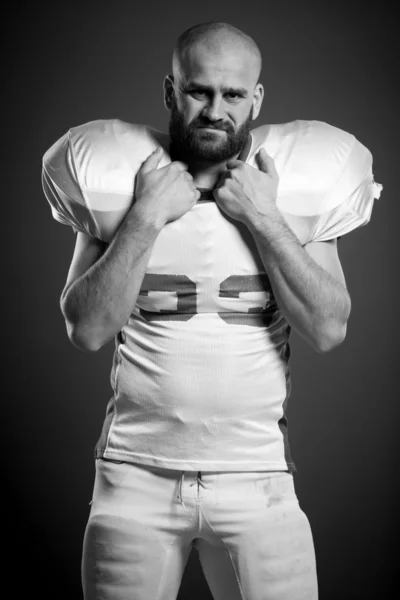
[{"x": 253, "y": 539}]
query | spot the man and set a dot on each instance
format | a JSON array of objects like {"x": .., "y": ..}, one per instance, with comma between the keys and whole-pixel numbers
[{"x": 200, "y": 281}]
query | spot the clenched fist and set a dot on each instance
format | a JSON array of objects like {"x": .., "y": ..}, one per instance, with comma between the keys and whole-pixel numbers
[
  {"x": 243, "y": 192},
  {"x": 166, "y": 194}
]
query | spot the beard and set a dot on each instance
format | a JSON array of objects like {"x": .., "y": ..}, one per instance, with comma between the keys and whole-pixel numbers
[{"x": 193, "y": 142}]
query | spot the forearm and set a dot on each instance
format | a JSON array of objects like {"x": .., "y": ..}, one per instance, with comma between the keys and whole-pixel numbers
[
  {"x": 99, "y": 303},
  {"x": 313, "y": 302}
]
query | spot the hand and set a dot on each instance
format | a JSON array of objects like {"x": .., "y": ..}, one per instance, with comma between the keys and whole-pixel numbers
[
  {"x": 244, "y": 192},
  {"x": 165, "y": 194}
]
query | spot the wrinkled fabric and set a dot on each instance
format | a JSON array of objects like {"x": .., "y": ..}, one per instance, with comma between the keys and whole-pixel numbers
[
  {"x": 201, "y": 370},
  {"x": 253, "y": 539},
  {"x": 89, "y": 174}
]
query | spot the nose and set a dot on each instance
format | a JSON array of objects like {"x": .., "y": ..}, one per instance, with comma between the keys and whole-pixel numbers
[{"x": 213, "y": 109}]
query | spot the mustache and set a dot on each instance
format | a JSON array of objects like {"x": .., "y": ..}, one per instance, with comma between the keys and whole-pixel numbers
[{"x": 200, "y": 124}]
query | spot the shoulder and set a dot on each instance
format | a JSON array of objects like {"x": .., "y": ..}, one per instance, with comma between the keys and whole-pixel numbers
[
  {"x": 89, "y": 173},
  {"x": 105, "y": 139},
  {"x": 311, "y": 157},
  {"x": 303, "y": 135},
  {"x": 104, "y": 154},
  {"x": 94, "y": 138}
]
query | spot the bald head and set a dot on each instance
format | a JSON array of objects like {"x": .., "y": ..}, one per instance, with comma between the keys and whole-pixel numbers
[
  {"x": 213, "y": 93},
  {"x": 216, "y": 38}
]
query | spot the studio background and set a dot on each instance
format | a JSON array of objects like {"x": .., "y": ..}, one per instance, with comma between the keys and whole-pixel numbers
[{"x": 78, "y": 63}]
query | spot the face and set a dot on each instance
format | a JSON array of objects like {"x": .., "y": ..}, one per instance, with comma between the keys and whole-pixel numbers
[
  {"x": 203, "y": 139},
  {"x": 213, "y": 99}
]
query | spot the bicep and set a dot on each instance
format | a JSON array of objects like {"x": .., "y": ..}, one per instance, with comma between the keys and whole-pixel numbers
[
  {"x": 325, "y": 254},
  {"x": 87, "y": 251}
]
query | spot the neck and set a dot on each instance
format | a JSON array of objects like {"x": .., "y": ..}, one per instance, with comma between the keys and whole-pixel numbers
[{"x": 205, "y": 173}]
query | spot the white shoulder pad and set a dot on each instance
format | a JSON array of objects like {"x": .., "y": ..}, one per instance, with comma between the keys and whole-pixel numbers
[
  {"x": 89, "y": 173},
  {"x": 326, "y": 185}
]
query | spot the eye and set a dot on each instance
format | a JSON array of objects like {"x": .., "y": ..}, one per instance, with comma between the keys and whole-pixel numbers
[
  {"x": 198, "y": 93},
  {"x": 233, "y": 96}
]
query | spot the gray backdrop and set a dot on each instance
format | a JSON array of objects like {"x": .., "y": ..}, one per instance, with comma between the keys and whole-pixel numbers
[{"x": 71, "y": 64}]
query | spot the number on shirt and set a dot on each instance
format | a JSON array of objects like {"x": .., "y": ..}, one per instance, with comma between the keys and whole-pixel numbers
[{"x": 186, "y": 294}]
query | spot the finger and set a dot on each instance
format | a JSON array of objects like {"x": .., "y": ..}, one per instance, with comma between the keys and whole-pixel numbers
[
  {"x": 222, "y": 178},
  {"x": 234, "y": 163},
  {"x": 152, "y": 161},
  {"x": 187, "y": 175},
  {"x": 220, "y": 182},
  {"x": 217, "y": 193},
  {"x": 179, "y": 166},
  {"x": 266, "y": 163}
]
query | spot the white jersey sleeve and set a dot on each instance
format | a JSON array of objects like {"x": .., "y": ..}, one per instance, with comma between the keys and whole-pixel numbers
[
  {"x": 89, "y": 174},
  {"x": 356, "y": 189},
  {"x": 326, "y": 185}
]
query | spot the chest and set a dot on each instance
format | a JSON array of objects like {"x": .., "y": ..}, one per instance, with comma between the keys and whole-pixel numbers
[{"x": 205, "y": 262}]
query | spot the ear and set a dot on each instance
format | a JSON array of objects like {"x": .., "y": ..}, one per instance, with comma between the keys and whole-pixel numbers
[
  {"x": 168, "y": 91},
  {"x": 258, "y": 97}
]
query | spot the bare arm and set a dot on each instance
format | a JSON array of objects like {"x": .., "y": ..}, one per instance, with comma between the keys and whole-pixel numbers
[
  {"x": 104, "y": 282},
  {"x": 98, "y": 303},
  {"x": 308, "y": 283}
]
